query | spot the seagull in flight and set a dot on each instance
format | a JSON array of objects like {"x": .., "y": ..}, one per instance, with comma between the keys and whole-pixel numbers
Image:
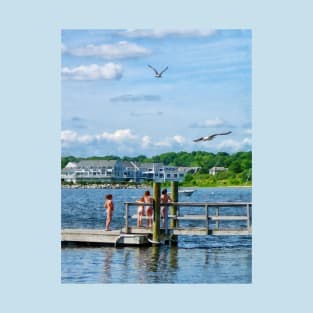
[
  {"x": 158, "y": 74},
  {"x": 207, "y": 138}
]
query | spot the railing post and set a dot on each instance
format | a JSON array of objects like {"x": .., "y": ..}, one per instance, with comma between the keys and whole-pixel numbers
[
  {"x": 248, "y": 216},
  {"x": 217, "y": 213},
  {"x": 126, "y": 218},
  {"x": 166, "y": 220},
  {"x": 174, "y": 196},
  {"x": 156, "y": 214},
  {"x": 207, "y": 218}
]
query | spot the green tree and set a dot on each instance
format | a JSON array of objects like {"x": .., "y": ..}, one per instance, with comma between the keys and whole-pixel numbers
[{"x": 235, "y": 166}]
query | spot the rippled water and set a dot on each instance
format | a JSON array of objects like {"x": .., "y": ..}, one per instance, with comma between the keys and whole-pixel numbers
[{"x": 197, "y": 259}]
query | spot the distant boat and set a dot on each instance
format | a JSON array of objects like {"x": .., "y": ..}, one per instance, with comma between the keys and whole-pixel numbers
[{"x": 186, "y": 192}]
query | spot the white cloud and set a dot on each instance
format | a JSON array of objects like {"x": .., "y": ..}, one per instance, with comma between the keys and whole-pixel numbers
[
  {"x": 93, "y": 72},
  {"x": 145, "y": 141},
  {"x": 171, "y": 141},
  {"x": 124, "y": 141},
  {"x": 68, "y": 136},
  {"x": 234, "y": 145},
  {"x": 179, "y": 139},
  {"x": 247, "y": 141},
  {"x": 120, "y": 50},
  {"x": 163, "y": 143},
  {"x": 217, "y": 122},
  {"x": 152, "y": 33},
  {"x": 119, "y": 135},
  {"x": 85, "y": 139}
]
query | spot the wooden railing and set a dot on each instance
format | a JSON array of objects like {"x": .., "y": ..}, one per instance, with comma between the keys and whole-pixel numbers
[{"x": 212, "y": 212}]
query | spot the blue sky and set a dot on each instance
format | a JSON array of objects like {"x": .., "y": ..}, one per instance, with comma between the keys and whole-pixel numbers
[{"x": 113, "y": 104}]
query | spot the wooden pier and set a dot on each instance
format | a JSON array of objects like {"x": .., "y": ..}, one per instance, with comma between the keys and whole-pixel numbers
[
  {"x": 210, "y": 219},
  {"x": 98, "y": 237}
]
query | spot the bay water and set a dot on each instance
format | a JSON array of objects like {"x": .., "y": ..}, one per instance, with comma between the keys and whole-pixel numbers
[{"x": 195, "y": 260}]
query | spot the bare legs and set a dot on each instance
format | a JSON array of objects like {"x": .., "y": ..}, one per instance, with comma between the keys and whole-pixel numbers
[{"x": 108, "y": 220}]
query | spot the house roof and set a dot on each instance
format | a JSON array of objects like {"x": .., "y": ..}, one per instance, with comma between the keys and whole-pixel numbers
[
  {"x": 218, "y": 168},
  {"x": 187, "y": 169},
  {"x": 151, "y": 165},
  {"x": 96, "y": 163},
  {"x": 128, "y": 164},
  {"x": 71, "y": 164}
]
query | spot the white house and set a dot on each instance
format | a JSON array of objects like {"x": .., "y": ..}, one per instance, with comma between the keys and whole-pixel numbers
[
  {"x": 160, "y": 172},
  {"x": 92, "y": 170},
  {"x": 214, "y": 170}
]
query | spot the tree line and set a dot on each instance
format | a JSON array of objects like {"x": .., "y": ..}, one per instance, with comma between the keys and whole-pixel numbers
[{"x": 239, "y": 165}]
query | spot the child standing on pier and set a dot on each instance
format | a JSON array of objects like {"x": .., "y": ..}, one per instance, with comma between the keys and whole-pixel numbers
[
  {"x": 149, "y": 210},
  {"x": 109, "y": 207},
  {"x": 145, "y": 209},
  {"x": 140, "y": 212},
  {"x": 165, "y": 198}
]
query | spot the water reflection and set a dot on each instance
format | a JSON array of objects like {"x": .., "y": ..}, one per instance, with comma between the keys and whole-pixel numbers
[
  {"x": 107, "y": 262},
  {"x": 173, "y": 265},
  {"x": 160, "y": 264},
  {"x": 154, "y": 261}
]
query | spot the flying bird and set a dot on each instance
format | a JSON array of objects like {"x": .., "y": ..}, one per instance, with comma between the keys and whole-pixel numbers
[
  {"x": 158, "y": 74},
  {"x": 207, "y": 138}
]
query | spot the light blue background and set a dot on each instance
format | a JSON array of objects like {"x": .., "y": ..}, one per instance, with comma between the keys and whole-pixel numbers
[{"x": 30, "y": 155}]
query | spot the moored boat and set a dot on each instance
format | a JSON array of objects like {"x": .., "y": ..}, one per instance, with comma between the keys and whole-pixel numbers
[{"x": 186, "y": 192}]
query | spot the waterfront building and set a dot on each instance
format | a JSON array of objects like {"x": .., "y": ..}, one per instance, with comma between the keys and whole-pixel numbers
[
  {"x": 214, "y": 170},
  {"x": 119, "y": 171},
  {"x": 93, "y": 170}
]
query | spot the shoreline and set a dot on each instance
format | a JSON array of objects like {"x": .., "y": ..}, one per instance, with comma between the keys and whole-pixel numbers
[
  {"x": 104, "y": 186},
  {"x": 139, "y": 186}
]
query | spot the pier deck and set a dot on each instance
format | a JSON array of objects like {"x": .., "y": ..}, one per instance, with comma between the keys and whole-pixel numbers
[
  {"x": 135, "y": 236},
  {"x": 98, "y": 237}
]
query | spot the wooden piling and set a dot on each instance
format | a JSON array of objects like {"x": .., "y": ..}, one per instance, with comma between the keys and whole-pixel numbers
[
  {"x": 207, "y": 218},
  {"x": 126, "y": 217},
  {"x": 248, "y": 215},
  {"x": 173, "y": 211},
  {"x": 156, "y": 215}
]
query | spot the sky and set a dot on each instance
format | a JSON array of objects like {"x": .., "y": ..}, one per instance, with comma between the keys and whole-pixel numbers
[{"x": 113, "y": 105}]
